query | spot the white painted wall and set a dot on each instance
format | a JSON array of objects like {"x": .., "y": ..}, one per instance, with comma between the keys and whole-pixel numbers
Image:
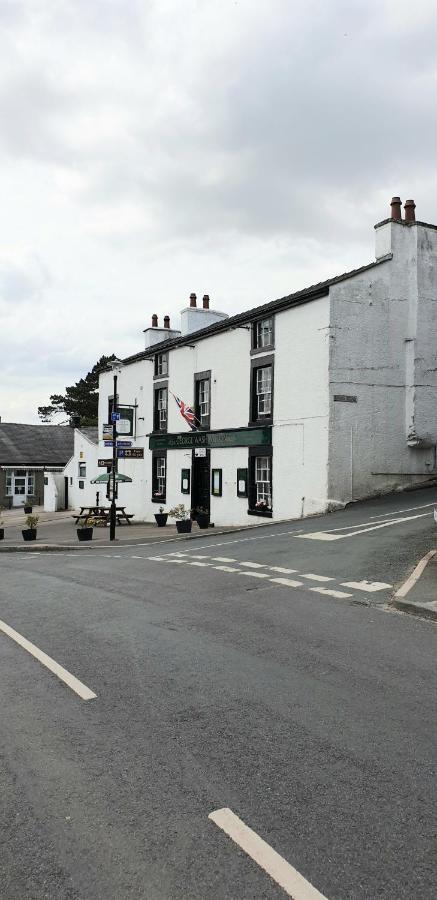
[
  {"x": 85, "y": 452},
  {"x": 54, "y": 497},
  {"x": 383, "y": 327}
]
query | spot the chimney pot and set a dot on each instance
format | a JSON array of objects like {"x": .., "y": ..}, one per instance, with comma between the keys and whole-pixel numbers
[
  {"x": 396, "y": 208},
  {"x": 154, "y": 321},
  {"x": 206, "y": 301},
  {"x": 166, "y": 321},
  {"x": 409, "y": 207},
  {"x": 193, "y": 300}
]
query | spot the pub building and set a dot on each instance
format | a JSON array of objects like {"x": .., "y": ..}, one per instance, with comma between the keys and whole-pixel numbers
[{"x": 292, "y": 408}]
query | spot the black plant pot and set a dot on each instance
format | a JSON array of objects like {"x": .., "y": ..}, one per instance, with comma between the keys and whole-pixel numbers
[
  {"x": 2, "y": 533},
  {"x": 85, "y": 534},
  {"x": 202, "y": 520},
  {"x": 183, "y": 526},
  {"x": 29, "y": 534},
  {"x": 161, "y": 519},
  {"x": 28, "y": 510}
]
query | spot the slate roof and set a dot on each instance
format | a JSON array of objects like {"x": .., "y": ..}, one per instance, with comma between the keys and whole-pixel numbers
[
  {"x": 91, "y": 433},
  {"x": 299, "y": 297},
  {"x": 35, "y": 445}
]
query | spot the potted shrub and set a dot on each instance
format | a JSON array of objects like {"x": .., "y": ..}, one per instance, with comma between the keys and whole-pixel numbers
[
  {"x": 161, "y": 517},
  {"x": 182, "y": 516},
  {"x": 28, "y": 507},
  {"x": 2, "y": 530},
  {"x": 29, "y": 533},
  {"x": 201, "y": 515},
  {"x": 85, "y": 530}
]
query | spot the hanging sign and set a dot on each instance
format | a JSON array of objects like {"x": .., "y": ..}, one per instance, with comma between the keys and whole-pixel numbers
[
  {"x": 104, "y": 462},
  {"x": 124, "y": 443},
  {"x": 109, "y": 443},
  {"x": 134, "y": 453}
]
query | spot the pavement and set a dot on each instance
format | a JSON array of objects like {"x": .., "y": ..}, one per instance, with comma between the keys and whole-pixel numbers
[
  {"x": 242, "y": 716},
  {"x": 58, "y": 531},
  {"x": 418, "y": 594}
]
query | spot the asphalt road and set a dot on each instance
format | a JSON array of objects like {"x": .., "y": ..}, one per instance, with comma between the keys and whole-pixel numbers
[{"x": 310, "y": 715}]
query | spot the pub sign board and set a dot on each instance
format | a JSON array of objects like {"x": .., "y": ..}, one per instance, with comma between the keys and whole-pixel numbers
[
  {"x": 107, "y": 463},
  {"x": 233, "y": 437}
]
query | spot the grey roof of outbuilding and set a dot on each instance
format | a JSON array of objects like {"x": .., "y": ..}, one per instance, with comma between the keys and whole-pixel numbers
[
  {"x": 91, "y": 433},
  {"x": 35, "y": 445},
  {"x": 299, "y": 297}
]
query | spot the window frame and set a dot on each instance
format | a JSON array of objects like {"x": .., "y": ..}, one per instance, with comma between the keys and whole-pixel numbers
[
  {"x": 157, "y": 388},
  {"x": 199, "y": 378},
  {"x": 256, "y": 347},
  {"x": 254, "y": 454},
  {"x": 81, "y": 465},
  {"x": 157, "y": 357},
  {"x": 262, "y": 362},
  {"x": 217, "y": 491},
  {"x": 156, "y": 456}
]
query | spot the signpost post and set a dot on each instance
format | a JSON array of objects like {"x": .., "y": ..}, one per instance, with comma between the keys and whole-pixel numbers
[{"x": 116, "y": 365}]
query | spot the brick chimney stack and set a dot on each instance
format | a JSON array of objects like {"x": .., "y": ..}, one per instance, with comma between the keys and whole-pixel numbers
[
  {"x": 396, "y": 208},
  {"x": 154, "y": 321},
  {"x": 409, "y": 207},
  {"x": 166, "y": 321},
  {"x": 205, "y": 301},
  {"x": 193, "y": 301}
]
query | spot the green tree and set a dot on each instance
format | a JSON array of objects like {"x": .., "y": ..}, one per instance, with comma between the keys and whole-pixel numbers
[{"x": 80, "y": 400}]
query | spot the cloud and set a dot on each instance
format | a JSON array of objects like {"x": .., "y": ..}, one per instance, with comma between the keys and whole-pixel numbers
[{"x": 240, "y": 148}]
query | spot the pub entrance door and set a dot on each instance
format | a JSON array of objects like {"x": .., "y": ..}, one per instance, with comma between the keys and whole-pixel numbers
[{"x": 200, "y": 491}]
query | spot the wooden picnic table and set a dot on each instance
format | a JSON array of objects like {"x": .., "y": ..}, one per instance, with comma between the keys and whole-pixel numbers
[{"x": 102, "y": 514}]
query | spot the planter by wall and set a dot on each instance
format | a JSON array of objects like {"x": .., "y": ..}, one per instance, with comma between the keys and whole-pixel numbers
[
  {"x": 28, "y": 510},
  {"x": 85, "y": 534},
  {"x": 161, "y": 519},
  {"x": 29, "y": 534},
  {"x": 183, "y": 526},
  {"x": 2, "y": 533},
  {"x": 202, "y": 520}
]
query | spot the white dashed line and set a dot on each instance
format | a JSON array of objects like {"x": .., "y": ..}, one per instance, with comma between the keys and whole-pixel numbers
[
  {"x": 287, "y": 581},
  {"x": 282, "y": 570},
  {"x": 317, "y": 577},
  {"x": 288, "y": 878},
  {"x": 224, "y": 559},
  {"x": 157, "y": 558},
  {"x": 225, "y": 568},
  {"x": 252, "y": 565},
  {"x": 340, "y": 595},
  {"x": 369, "y": 586},
  {"x": 195, "y": 563}
]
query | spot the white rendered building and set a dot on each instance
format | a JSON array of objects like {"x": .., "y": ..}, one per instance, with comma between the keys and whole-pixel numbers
[{"x": 305, "y": 403}]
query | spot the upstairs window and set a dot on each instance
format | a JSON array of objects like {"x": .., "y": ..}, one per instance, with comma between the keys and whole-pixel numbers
[
  {"x": 82, "y": 470},
  {"x": 262, "y": 334},
  {"x": 263, "y": 389},
  {"x": 161, "y": 365},
  {"x": 160, "y": 411},
  {"x": 203, "y": 399}
]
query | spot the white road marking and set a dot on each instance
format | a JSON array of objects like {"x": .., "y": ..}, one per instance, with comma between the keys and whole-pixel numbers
[
  {"x": 341, "y": 595},
  {"x": 157, "y": 558},
  {"x": 138, "y": 557},
  {"x": 255, "y": 574},
  {"x": 225, "y": 568},
  {"x": 225, "y": 559},
  {"x": 370, "y": 586},
  {"x": 195, "y": 563},
  {"x": 397, "y": 512},
  {"x": 289, "y": 879},
  {"x": 317, "y": 577},
  {"x": 252, "y": 565},
  {"x": 287, "y": 581},
  {"x": 197, "y": 556},
  {"x": 180, "y": 562},
  {"x": 415, "y": 575},
  {"x": 329, "y": 536},
  {"x": 281, "y": 569},
  {"x": 49, "y": 663}
]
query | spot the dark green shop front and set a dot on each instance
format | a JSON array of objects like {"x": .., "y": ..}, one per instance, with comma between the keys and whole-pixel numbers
[{"x": 233, "y": 437}]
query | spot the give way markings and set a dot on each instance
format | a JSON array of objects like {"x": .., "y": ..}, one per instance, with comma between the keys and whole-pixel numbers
[
  {"x": 70, "y": 680},
  {"x": 362, "y": 528},
  {"x": 289, "y": 879}
]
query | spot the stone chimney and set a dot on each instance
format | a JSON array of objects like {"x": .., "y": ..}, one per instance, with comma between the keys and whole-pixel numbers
[
  {"x": 193, "y": 318},
  {"x": 155, "y": 334},
  {"x": 166, "y": 321},
  {"x": 409, "y": 207}
]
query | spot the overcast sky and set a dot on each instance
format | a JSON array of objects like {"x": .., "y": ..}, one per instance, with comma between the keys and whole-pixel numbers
[{"x": 150, "y": 148}]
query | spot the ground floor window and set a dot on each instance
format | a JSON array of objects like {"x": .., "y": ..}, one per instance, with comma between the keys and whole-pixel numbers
[
  {"x": 260, "y": 481},
  {"x": 159, "y": 476},
  {"x": 20, "y": 483}
]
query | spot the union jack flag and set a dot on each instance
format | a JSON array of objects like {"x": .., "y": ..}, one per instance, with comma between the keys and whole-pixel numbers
[{"x": 187, "y": 413}]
